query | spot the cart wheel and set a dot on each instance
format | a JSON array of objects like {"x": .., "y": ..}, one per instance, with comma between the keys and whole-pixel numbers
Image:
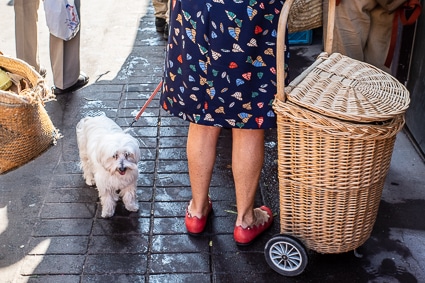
[{"x": 286, "y": 255}]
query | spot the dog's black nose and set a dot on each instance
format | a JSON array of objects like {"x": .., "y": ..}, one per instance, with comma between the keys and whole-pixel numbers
[{"x": 122, "y": 170}]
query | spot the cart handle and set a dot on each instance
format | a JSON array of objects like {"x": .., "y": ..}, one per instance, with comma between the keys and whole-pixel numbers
[{"x": 280, "y": 48}]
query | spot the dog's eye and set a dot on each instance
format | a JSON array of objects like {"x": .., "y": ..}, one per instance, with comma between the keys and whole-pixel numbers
[
  {"x": 115, "y": 156},
  {"x": 126, "y": 154}
]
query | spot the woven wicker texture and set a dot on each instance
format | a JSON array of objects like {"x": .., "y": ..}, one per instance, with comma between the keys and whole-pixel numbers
[
  {"x": 329, "y": 221},
  {"x": 305, "y": 15},
  {"x": 331, "y": 175},
  {"x": 324, "y": 152},
  {"x": 344, "y": 88},
  {"x": 25, "y": 127},
  {"x": 335, "y": 135}
]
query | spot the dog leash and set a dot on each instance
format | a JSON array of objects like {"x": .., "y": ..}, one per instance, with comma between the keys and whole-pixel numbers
[{"x": 158, "y": 87}]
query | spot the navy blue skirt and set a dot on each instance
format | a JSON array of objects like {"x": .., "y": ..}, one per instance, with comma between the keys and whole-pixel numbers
[{"x": 220, "y": 67}]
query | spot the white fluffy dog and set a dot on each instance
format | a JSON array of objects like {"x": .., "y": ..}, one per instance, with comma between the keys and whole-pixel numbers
[{"x": 109, "y": 159}]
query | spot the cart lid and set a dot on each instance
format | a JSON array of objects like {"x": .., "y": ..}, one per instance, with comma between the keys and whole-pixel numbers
[{"x": 340, "y": 87}]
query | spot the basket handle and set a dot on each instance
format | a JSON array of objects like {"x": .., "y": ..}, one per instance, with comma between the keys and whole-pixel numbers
[{"x": 280, "y": 47}]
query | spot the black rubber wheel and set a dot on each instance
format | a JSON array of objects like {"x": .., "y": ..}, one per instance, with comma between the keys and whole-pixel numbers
[{"x": 286, "y": 255}]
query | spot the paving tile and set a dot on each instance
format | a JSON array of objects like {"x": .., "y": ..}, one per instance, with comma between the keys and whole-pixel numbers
[
  {"x": 68, "y": 210},
  {"x": 222, "y": 193},
  {"x": 180, "y": 263},
  {"x": 144, "y": 193},
  {"x": 113, "y": 278},
  {"x": 172, "y": 166},
  {"x": 111, "y": 94},
  {"x": 171, "y": 225},
  {"x": 149, "y": 111},
  {"x": 72, "y": 195},
  {"x": 142, "y": 89},
  {"x": 172, "y": 142},
  {"x": 52, "y": 264},
  {"x": 121, "y": 263},
  {"x": 148, "y": 154},
  {"x": 68, "y": 181},
  {"x": 121, "y": 225},
  {"x": 181, "y": 278},
  {"x": 146, "y": 166},
  {"x": 235, "y": 262},
  {"x": 71, "y": 158},
  {"x": 221, "y": 243},
  {"x": 143, "y": 121},
  {"x": 258, "y": 276},
  {"x": 146, "y": 180},
  {"x": 63, "y": 227},
  {"x": 70, "y": 167},
  {"x": 121, "y": 211},
  {"x": 52, "y": 279},
  {"x": 173, "y": 194},
  {"x": 167, "y": 121},
  {"x": 222, "y": 225},
  {"x": 146, "y": 131},
  {"x": 174, "y": 180},
  {"x": 169, "y": 209},
  {"x": 173, "y": 132},
  {"x": 179, "y": 244},
  {"x": 146, "y": 142},
  {"x": 59, "y": 245},
  {"x": 224, "y": 208},
  {"x": 172, "y": 153},
  {"x": 122, "y": 243},
  {"x": 222, "y": 180}
]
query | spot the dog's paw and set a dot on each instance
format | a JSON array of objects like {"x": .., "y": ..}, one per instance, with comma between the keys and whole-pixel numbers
[
  {"x": 107, "y": 213},
  {"x": 134, "y": 206},
  {"x": 90, "y": 182}
]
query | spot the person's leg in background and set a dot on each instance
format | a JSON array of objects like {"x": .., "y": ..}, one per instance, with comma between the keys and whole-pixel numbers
[
  {"x": 378, "y": 42},
  {"x": 26, "y": 32},
  {"x": 161, "y": 16},
  {"x": 167, "y": 20},
  {"x": 65, "y": 60},
  {"x": 362, "y": 31},
  {"x": 352, "y": 26}
]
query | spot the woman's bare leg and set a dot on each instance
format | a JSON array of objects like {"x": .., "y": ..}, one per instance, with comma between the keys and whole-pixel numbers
[
  {"x": 201, "y": 154},
  {"x": 247, "y": 162}
]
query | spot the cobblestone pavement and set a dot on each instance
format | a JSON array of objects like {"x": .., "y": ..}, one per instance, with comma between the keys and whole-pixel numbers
[{"x": 50, "y": 224}]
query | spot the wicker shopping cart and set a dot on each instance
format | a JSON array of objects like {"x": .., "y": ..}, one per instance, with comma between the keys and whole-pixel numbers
[
  {"x": 336, "y": 127},
  {"x": 25, "y": 127}
]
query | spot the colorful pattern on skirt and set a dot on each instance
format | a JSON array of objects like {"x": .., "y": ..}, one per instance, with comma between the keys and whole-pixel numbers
[{"x": 220, "y": 67}]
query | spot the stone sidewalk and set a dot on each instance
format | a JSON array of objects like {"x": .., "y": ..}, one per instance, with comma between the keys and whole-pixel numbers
[
  {"x": 58, "y": 235},
  {"x": 50, "y": 224}
]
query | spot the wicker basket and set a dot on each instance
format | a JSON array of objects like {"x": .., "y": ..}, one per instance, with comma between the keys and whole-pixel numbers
[
  {"x": 331, "y": 176},
  {"x": 25, "y": 127},
  {"x": 305, "y": 15},
  {"x": 336, "y": 126}
]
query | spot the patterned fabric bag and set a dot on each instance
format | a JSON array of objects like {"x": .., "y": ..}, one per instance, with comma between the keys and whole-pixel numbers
[{"x": 62, "y": 18}]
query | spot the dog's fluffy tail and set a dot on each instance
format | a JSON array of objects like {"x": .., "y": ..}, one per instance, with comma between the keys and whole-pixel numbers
[{"x": 80, "y": 124}]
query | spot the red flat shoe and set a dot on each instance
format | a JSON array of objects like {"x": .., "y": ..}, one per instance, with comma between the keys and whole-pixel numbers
[
  {"x": 195, "y": 225},
  {"x": 245, "y": 236}
]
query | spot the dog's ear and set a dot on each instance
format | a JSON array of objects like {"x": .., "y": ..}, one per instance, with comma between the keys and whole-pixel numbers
[
  {"x": 132, "y": 146},
  {"x": 137, "y": 155},
  {"x": 133, "y": 154},
  {"x": 105, "y": 152}
]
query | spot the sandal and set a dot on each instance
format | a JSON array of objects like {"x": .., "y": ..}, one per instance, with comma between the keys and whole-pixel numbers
[
  {"x": 195, "y": 225},
  {"x": 245, "y": 236}
]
